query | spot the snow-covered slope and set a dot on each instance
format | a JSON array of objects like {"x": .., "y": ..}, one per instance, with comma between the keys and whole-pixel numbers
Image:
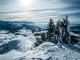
[
  {"x": 20, "y": 47},
  {"x": 50, "y": 51},
  {"x": 9, "y": 42}
]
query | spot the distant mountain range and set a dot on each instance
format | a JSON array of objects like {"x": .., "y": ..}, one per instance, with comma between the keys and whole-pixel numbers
[
  {"x": 15, "y": 26},
  {"x": 22, "y": 22},
  {"x": 18, "y": 22}
]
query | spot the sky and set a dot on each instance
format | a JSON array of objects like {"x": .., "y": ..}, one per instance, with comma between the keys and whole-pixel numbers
[{"x": 39, "y": 10}]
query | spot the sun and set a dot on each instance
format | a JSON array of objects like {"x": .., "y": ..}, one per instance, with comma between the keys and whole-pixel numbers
[{"x": 25, "y": 2}]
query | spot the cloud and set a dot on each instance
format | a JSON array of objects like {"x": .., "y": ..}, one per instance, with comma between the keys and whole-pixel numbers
[
  {"x": 5, "y": 2},
  {"x": 71, "y": 2},
  {"x": 39, "y": 10}
]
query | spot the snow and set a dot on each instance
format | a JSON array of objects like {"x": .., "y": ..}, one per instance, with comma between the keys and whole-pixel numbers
[
  {"x": 3, "y": 31},
  {"x": 50, "y": 51},
  {"x": 20, "y": 47}
]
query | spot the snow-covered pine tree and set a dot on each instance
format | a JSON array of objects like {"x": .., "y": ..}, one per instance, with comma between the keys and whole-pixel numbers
[
  {"x": 59, "y": 33},
  {"x": 51, "y": 31},
  {"x": 65, "y": 30}
]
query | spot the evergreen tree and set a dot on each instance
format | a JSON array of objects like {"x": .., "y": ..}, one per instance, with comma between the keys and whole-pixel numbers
[
  {"x": 43, "y": 36},
  {"x": 51, "y": 30},
  {"x": 59, "y": 33},
  {"x": 37, "y": 43},
  {"x": 56, "y": 34},
  {"x": 65, "y": 30}
]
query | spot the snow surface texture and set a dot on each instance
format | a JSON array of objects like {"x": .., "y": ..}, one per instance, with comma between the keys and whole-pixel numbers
[
  {"x": 20, "y": 47},
  {"x": 50, "y": 51}
]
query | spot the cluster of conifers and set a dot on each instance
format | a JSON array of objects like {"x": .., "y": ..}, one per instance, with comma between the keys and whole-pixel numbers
[{"x": 56, "y": 33}]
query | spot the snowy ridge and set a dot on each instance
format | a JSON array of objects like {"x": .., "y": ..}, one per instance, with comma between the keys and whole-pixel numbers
[
  {"x": 50, "y": 51},
  {"x": 21, "y": 48}
]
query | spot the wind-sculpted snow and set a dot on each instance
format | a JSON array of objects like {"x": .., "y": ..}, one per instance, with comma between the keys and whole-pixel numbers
[
  {"x": 17, "y": 45},
  {"x": 11, "y": 43},
  {"x": 8, "y": 46},
  {"x": 20, "y": 47},
  {"x": 24, "y": 46},
  {"x": 50, "y": 51},
  {"x": 46, "y": 51}
]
